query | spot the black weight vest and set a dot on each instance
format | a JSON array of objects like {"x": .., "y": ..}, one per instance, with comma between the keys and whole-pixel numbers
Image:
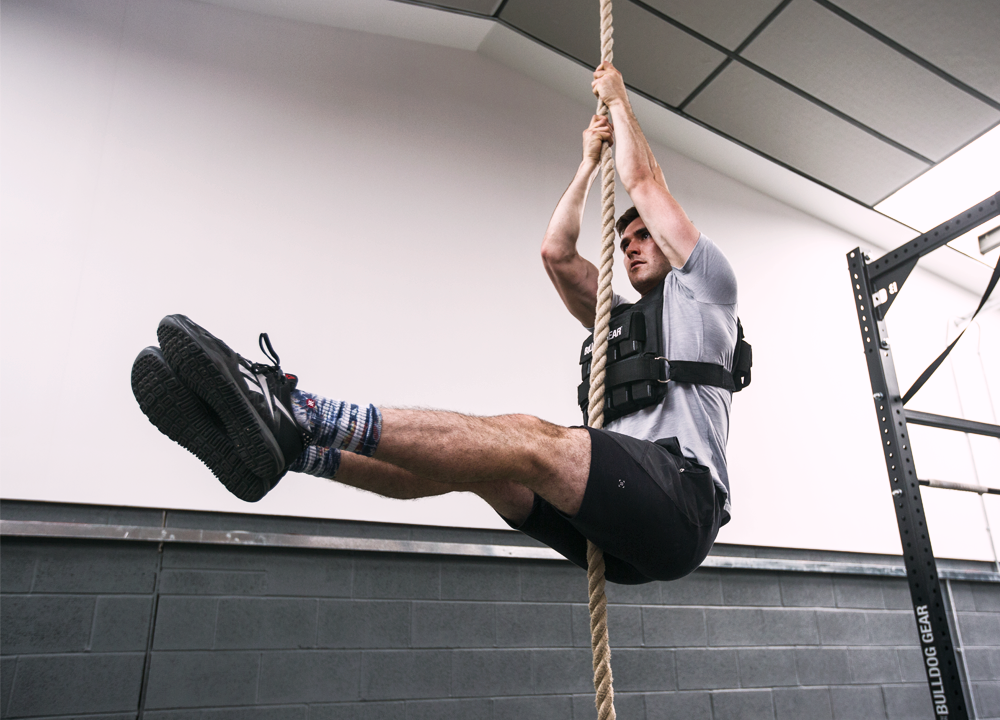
[{"x": 638, "y": 374}]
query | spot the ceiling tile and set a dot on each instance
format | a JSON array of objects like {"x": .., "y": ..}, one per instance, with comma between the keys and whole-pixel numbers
[
  {"x": 657, "y": 58},
  {"x": 571, "y": 26},
  {"x": 831, "y": 59},
  {"x": 958, "y": 36},
  {"x": 727, "y": 22},
  {"x": 762, "y": 114},
  {"x": 654, "y": 56}
]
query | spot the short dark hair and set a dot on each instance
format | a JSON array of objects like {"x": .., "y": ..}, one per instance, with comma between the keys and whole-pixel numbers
[{"x": 626, "y": 219}]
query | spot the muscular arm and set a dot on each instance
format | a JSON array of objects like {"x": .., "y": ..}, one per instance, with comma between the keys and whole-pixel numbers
[
  {"x": 574, "y": 277},
  {"x": 641, "y": 175}
]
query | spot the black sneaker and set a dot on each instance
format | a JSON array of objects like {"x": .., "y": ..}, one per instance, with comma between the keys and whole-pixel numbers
[
  {"x": 252, "y": 401},
  {"x": 181, "y": 416}
]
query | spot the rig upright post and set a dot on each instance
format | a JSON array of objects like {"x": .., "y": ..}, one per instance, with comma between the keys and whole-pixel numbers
[{"x": 876, "y": 285}]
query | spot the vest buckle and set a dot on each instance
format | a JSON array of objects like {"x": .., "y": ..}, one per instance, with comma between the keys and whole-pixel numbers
[{"x": 667, "y": 363}]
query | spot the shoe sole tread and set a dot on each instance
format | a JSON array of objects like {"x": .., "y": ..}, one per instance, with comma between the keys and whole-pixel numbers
[
  {"x": 240, "y": 420},
  {"x": 176, "y": 412}
]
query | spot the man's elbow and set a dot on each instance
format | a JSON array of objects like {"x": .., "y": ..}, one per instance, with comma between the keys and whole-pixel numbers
[
  {"x": 553, "y": 254},
  {"x": 636, "y": 178},
  {"x": 644, "y": 182}
]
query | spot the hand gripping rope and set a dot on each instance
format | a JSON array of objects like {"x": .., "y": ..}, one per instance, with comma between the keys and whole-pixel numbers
[{"x": 605, "y": 699}]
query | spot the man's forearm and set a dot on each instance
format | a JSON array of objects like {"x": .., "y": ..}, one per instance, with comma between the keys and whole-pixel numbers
[
  {"x": 564, "y": 226},
  {"x": 574, "y": 277},
  {"x": 663, "y": 217},
  {"x": 634, "y": 160}
]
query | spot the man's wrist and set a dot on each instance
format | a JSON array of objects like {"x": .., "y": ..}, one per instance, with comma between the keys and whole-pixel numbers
[{"x": 616, "y": 102}]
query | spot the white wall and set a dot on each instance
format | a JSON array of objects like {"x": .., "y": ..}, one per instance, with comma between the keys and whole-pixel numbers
[{"x": 376, "y": 205}]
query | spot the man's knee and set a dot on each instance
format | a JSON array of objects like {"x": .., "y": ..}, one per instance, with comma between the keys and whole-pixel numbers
[
  {"x": 563, "y": 463},
  {"x": 512, "y": 501},
  {"x": 544, "y": 428}
]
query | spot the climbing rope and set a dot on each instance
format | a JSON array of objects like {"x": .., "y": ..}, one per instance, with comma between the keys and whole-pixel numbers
[{"x": 605, "y": 698}]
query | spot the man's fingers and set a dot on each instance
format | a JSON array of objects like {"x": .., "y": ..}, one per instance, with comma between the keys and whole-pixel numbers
[
  {"x": 604, "y": 137},
  {"x": 599, "y": 131},
  {"x": 607, "y": 137}
]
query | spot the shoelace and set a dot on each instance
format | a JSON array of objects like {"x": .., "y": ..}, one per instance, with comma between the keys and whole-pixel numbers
[
  {"x": 274, "y": 370},
  {"x": 268, "y": 351},
  {"x": 275, "y": 367}
]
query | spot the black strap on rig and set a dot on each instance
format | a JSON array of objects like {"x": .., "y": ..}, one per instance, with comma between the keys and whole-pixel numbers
[{"x": 926, "y": 374}]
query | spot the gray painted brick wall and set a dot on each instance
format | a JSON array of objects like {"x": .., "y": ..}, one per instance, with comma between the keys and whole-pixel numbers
[{"x": 277, "y": 634}]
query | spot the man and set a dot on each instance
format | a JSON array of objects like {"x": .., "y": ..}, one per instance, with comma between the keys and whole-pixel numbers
[{"x": 654, "y": 512}]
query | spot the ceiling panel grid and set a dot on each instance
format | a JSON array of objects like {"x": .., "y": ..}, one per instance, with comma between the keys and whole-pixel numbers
[
  {"x": 858, "y": 96},
  {"x": 958, "y": 36},
  {"x": 842, "y": 65},
  {"x": 745, "y": 105}
]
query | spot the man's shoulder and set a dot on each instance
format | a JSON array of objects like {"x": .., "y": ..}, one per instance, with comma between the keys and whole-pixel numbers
[
  {"x": 705, "y": 252},
  {"x": 708, "y": 274}
]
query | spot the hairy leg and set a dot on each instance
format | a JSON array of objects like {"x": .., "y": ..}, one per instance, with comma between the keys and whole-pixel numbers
[
  {"x": 386, "y": 480},
  {"x": 455, "y": 449},
  {"x": 511, "y": 500}
]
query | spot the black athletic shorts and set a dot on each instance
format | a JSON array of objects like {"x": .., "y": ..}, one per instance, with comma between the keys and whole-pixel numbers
[{"x": 654, "y": 512}]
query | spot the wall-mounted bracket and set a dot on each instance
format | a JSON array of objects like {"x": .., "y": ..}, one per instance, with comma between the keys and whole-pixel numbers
[{"x": 887, "y": 274}]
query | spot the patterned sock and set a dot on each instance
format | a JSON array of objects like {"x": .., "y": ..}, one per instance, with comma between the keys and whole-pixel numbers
[
  {"x": 321, "y": 462},
  {"x": 338, "y": 425}
]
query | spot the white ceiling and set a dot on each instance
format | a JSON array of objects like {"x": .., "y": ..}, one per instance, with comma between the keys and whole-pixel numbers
[{"x": 827, "y": 107}]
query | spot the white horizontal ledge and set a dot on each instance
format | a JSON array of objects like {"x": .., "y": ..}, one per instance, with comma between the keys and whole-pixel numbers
[
  {"x": 140, "y": 533},
  {"x": 90, "y": 531}
]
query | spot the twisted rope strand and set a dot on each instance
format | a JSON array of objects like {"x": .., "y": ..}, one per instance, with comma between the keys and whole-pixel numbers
[{"x": 605, "y": 692}]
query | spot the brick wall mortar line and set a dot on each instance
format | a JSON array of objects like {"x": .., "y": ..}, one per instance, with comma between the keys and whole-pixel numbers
[
  {"x": 451, "y": 674},
  {"x": 93, "y": 625},
  {"x": 77, "y": 654},
  {"x": 78, "y": 593},
  {"x": 484, "y": 648},
  {"x": 315, "y": 643},
  {"x": 409, "y": 624},
  {"x": 260, "y": 667},
  {"x": 215, "y": 624},
  {"x": 34, "y": 575},
  {"x": 151, "y": 630},
  {"x": 13, "y": 684},
  {"x": 228, "y": 571}
]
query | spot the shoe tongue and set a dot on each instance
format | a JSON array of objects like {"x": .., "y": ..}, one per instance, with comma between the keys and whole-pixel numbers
[{"x": 292, "y": 379}]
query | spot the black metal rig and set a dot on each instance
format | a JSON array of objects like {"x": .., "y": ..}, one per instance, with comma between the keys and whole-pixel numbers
[{"x": 876, "y": 285}]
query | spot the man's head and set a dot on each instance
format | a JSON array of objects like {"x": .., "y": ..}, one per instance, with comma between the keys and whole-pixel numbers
[{"x": 645, "y": 263}]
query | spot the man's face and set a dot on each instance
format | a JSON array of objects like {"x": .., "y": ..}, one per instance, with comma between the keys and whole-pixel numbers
[{"x": 645, "y": 264}]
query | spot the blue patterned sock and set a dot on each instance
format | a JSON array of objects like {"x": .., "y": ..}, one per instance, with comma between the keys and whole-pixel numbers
[
  {"x": 338, "y": 425},
  {"x": 321, "y": 462}
]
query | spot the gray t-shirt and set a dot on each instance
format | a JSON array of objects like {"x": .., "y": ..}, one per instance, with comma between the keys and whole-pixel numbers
[{"x": 699, "y": 324}]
